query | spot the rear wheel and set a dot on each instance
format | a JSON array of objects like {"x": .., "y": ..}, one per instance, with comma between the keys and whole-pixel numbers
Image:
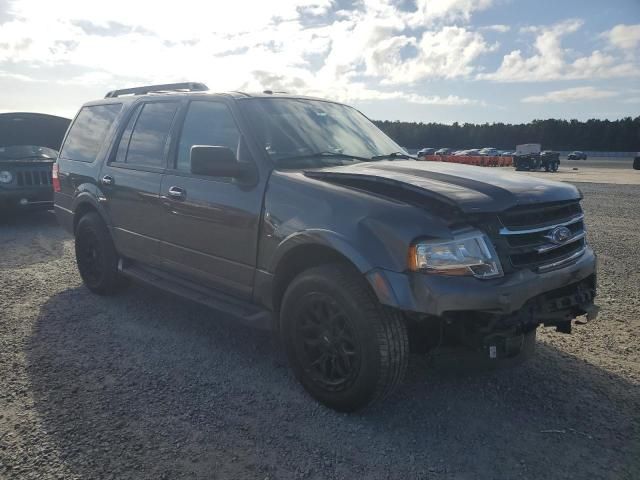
[
  {"x": 96, "y": 256},
  {"x": 345, "y": 348}
]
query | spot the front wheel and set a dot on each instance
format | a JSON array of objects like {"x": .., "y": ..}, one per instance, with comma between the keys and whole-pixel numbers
[{"x": 345, "y": 348}]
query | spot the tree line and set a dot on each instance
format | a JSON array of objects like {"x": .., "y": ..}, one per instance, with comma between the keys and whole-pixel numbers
[{"x": 621, "y": 135}]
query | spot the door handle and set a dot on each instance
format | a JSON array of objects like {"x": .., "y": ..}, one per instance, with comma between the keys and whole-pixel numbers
[
  {"x": 107, "y": 180},
  {"x": 177, "y": 192}
]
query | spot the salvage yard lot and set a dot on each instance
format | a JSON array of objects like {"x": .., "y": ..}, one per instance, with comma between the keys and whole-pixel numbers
[{"x": 144, "y": 385}]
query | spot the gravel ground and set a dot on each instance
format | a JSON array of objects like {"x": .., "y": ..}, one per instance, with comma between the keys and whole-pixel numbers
[{"x": 144, "y": 385}]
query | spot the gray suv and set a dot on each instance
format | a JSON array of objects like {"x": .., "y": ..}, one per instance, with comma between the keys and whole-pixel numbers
[{"x": 298, "y": 215}]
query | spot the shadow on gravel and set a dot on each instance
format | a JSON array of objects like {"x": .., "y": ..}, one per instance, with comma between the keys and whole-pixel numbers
[
  {"x": 149, "y": 386},
  {"x": 29, "y": 237}
]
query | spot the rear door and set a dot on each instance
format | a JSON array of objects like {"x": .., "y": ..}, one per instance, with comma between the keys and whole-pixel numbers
[
  {"x": 131, "y": 179},
  {"x": 211, "y": 230}
]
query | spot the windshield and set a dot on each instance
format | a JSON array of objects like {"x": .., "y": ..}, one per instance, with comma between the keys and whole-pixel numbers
[
  {"x": 22, "y": 152},
  {"x": 300, "y": 133}
]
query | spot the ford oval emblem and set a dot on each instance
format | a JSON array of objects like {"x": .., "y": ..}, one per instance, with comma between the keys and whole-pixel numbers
[{"x": 559, "y": 235}]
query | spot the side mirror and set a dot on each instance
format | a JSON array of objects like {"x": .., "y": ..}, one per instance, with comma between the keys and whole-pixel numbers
[{"x": 214, "y": 161}]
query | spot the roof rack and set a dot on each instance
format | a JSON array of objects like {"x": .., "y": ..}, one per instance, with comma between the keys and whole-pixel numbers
[{"x": 168, "y": 87}]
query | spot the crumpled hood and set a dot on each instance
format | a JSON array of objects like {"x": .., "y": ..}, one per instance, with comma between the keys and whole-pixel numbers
[{"x": 471, "y": 189}]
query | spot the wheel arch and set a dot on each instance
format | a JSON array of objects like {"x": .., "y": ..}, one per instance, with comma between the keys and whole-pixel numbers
[
  {"x": 309, "y": 250},
  {"x": 85, "y": 203}
]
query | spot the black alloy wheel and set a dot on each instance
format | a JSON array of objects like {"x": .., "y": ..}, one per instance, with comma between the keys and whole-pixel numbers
[
  {"x": 90, "y": 258},
  {"x": 326, "y": 343},
  {"x": 345, "y": 348},
  {"x": 96, "y": 256}
]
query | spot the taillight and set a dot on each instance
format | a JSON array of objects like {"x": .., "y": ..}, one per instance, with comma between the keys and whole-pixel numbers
[{"x": 54, "y": 178}]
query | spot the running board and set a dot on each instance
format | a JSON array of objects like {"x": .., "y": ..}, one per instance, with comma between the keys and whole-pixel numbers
[{"x": 246, "y": 312}]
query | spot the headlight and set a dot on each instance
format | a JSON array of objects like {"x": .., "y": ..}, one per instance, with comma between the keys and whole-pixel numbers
[
  {"x": 470, "y": 253},
  {"x": 5, "y": 176}
]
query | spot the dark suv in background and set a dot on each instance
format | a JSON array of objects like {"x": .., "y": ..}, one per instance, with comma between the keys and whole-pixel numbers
[
  {"x": 29, "y": 144},
  {"x": 299, "y": 215}
]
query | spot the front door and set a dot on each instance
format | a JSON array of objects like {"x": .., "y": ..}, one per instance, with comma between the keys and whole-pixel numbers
[
  {"x": 131, "y": 180},
  {"x": 211, "y": 224}
]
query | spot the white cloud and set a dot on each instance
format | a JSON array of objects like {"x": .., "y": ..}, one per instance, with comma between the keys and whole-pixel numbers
[
  {"x": 17, "y": 76},
  {"x": 571, "y": 95},
  {"x": 496, "y": 28},
  {"x": 553, "y": 62},
  {"x": 88, "y": 78},
  {"x": 350, "y": 91},
  {"x": 430, "y": 11},
  {"x": 121, "y": 41},
  {"x": 446, "y": 53},
  {"x": 624, "y": 36}
]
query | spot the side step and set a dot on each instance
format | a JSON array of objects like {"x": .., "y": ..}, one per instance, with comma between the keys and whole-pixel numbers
[{"x": 246, "y": 312}]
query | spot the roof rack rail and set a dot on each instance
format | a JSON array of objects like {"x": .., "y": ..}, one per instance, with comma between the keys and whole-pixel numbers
[{"x": 167, "y": 87}]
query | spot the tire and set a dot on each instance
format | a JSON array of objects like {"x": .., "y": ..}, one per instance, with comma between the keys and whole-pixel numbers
[
  {"x": 636, "y": 163},
  {"x": 96, "y": 256},
  {"x": 555, "y": 166},
  {"x": 330, "y": 312}
]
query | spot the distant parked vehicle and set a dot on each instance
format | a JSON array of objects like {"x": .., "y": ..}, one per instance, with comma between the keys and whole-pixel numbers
[
  {"x": 550, "y": 160},
  {"x": 526, "y": 161},
  {"x": 577, "y": 155},
  {"x": 506, "y": 153},
  {"x": 443, "y": 151},
  {"x": 426, "y": 151},
  {"x": 467, "y": 153},
  {"x": 528, "y": 148},
  {"x": 489, "y": 152}
]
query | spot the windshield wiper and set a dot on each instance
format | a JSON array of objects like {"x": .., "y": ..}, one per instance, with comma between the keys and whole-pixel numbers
[
  {"x": 393, "y": 155},
  {"x": 326, "y": 154}
]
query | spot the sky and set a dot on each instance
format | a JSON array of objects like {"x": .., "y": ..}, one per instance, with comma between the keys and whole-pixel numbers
[{"x": 412, "y": 60}]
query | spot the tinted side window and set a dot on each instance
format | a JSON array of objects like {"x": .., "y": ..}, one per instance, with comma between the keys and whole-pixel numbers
[
  {"x": 206, "y": 123},
  {"x": 89, "y": 131},
  {"x": 149, "y": 137}
]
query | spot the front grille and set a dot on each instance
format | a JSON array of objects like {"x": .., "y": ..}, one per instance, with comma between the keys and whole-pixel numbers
[
  {"x": 527, "y": 217},
  {"x": 524, "y": 237},
  {"x": 33, "y": 178}
]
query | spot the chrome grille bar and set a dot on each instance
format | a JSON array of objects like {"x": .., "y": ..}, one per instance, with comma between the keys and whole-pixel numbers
[{"x": 506, "y": 231}]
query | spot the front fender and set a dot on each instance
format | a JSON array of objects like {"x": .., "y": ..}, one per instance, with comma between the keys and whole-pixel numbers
[{"x": 325, "y": 238}]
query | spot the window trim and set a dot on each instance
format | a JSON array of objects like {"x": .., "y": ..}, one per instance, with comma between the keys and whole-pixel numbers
[
  {"x": 136, "y": 109},
  {"x": 173, "y": 154}
]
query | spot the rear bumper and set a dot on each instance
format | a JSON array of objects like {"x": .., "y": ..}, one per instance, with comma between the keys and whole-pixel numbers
[
  {"x": 437, "y": 295},
  {"x": 27, "y": 198}
]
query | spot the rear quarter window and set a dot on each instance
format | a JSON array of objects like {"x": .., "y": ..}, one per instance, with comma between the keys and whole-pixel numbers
[{"x": 89, "y": 131}]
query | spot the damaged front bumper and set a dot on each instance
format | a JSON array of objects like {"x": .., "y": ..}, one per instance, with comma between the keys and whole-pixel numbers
[{"x": 552, "y": 296}]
